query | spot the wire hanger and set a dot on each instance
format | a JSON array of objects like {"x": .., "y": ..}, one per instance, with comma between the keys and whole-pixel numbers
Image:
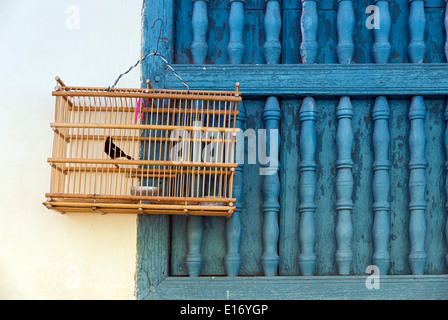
[{"x": 156, "y": 53}]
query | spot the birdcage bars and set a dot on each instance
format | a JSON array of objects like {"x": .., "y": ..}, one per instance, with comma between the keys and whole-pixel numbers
[{"x": 145, "y": 151}]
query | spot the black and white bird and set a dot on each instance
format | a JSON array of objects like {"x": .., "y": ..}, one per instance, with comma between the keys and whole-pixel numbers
[{"x": 114, "y": 151}]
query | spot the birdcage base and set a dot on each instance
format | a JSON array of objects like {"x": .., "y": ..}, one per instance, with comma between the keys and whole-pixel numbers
[{"x": 153, "y": 207}]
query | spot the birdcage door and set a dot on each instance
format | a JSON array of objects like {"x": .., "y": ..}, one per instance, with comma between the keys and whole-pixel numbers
[{"x": 356, "y": 182}]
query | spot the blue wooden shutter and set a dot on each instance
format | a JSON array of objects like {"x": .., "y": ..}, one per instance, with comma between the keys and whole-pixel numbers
[{"x": 361, "y": 176}]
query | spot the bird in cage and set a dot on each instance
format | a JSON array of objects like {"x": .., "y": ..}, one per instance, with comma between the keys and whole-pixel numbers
[{"x": 113, "y": 151}]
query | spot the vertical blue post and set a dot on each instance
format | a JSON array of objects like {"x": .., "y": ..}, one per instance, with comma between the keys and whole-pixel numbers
[
  {"x": 271, "y": 116},
  {"x": 199, "y": 24},
  {"x": 446, "y": 179},
  {"x": 235, "y": 48},
  {"x": 446, "y": 29},
  {"x": 381, "y": 46},
  {"x": 417, "y": 185},
  {"x": 307, "y": 168},
  {"x": 417, "y": 143},
  {"x": 153, "y": 240},
  {"x": 272, "y": 27},
  {"x": 381, "y": 185},
  {"x": 235, "y": 51},
  {"x": 232, "y": 259},
  {"x": 271, "y": 188},
  {"x": 345, "y": 27},
  {"x": 194, "y": 245},
  {"x": 344, "y": 139},
  {"x": 199, "y": 52},
  {"x": 307, "y": 185},
  {"x": 308, "y": 24},
  {"x": 381, "y": 141},
  {"x": 344, "y": 185},
  {"x": 417, "y": 25}
]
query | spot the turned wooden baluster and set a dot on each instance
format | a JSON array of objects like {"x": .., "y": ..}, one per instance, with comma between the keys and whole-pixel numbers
[
  {"x": 344, "y": 185},
  {"x": 345, "y": 27},
  {"x": 199, "y": 23},
  {"x": 344, "y": 140},
  {"x": 307, "y": 185},
  {"x": 381, "y": 140},
  {"x": 232, "y": 259},
  {"x": 308, "y": 24},
  {"x": 235, "y": 50},
  {"x": 446, "y": 30},
  {"x": 271, "y": 190},
  {"x": 417, "y": 143},
  {"x": 194, "y": 240},
  {"x": 271, "y": 115},
  {"x": 446, "y": 179},
  {"x": 417, "y": 25},
  {"x": 417, "y": 185},
  {"x": 307, "y": 167},
  {"x": 272, "y": 27},
  {"x": 382, "y": 47},
  {"x": 381, "y": 184},
  {"x": 199, "y": 52}
]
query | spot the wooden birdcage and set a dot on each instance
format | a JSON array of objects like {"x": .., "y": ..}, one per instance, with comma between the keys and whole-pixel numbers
[{"x": 143, "y": 151}]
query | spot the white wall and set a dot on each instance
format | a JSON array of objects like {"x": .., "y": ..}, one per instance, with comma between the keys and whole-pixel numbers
[{"x": 45, "y": 255}]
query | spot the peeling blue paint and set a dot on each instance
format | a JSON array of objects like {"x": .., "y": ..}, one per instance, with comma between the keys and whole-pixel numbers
[{"x": 390, "y": 242}]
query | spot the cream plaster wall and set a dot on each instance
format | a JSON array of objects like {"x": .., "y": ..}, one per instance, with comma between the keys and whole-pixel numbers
[{"x": 45, "y": 255}]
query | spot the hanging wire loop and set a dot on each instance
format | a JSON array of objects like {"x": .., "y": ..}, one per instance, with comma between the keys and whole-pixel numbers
[{"x": 156, "y": 53}]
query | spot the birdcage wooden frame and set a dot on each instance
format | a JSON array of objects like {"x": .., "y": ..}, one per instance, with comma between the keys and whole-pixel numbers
[{"x": 180, "y": 144}]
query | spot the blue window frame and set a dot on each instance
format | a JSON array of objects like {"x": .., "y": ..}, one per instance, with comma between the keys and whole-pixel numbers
[{"x": 373, "y": 72}]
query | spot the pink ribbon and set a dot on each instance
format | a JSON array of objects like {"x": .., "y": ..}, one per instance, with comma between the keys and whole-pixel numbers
[{"x": 137, "y": 110}]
